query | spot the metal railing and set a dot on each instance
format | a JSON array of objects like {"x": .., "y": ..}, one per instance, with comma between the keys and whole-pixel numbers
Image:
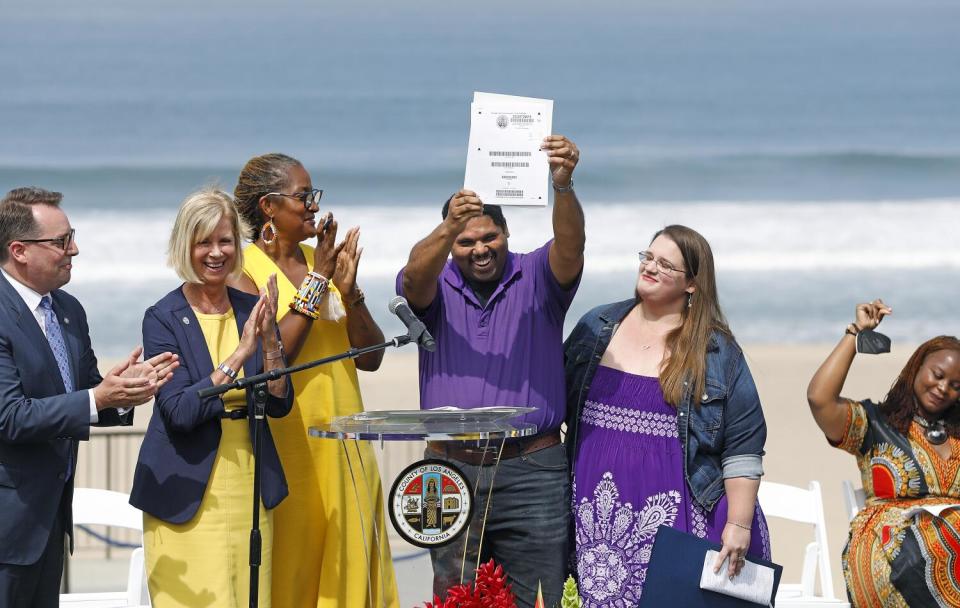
[{"x": 108, "y": 461}]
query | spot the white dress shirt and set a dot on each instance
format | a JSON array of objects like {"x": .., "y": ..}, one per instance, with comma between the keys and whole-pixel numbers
[{"x": 32, "y": 300}]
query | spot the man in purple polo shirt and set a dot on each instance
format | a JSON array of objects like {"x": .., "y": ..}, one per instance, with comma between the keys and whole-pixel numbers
[{"x": 497, "y": 318}]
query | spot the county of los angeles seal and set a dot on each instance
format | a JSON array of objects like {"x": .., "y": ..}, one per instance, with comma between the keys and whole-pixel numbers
[{"x": 430, "y": 503}]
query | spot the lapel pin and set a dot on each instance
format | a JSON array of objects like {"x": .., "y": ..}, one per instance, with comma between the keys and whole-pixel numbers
[
  {"x": 66, "y": 320},
  {"x": 186, "y": 321}
]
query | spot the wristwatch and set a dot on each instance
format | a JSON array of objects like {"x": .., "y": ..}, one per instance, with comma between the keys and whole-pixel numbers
[
  {"x": 230, "y": 373},
  {"x": 562, "y": 189}
]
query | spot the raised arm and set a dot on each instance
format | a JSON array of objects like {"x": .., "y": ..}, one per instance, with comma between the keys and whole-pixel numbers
[
  {"x": 566, "y": 252},
  {"x": 829, "y": 409},
  {"x": 362, "y": 329},
  {"x": 429, "y": 255}
]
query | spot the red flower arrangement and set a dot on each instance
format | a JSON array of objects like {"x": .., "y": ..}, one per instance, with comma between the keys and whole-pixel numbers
[{"x": 489, "y": 590}]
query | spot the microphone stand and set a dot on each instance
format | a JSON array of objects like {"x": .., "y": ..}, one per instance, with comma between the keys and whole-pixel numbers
[{"x": 258, "y": 386}]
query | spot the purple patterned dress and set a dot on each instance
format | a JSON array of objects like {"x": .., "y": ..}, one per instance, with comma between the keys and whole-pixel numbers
[{"x": 627, "y": 481}]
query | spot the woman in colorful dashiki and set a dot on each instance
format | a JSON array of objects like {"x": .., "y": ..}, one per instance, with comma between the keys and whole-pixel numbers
[
  {"x": 665, "y": 424},
  {"x": 902, "y": 550},
  {"x": 330, "y": 551}
]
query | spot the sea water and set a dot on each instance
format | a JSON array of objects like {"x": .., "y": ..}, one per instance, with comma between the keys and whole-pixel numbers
[{"x": 816, "y": 145}]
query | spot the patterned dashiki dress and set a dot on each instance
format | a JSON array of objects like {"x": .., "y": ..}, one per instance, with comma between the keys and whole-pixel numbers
[
  {"x": 894, "y": 558},
  {"x": 628, "y": 480}
]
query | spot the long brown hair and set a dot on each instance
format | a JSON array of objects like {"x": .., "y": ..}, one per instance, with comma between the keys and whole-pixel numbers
[
  {"x": 900, "y": 404},
  {"x": 687, "y": 344},
  {"x": 261, "y": 174}
]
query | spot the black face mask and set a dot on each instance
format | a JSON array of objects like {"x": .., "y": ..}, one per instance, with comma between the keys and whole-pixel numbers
[{"x": 870, "y": 342}]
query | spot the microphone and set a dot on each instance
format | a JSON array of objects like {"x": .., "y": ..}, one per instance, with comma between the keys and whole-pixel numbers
[{"x": 415, "y": 328}]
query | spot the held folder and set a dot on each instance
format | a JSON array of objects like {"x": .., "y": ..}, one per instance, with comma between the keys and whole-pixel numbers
[{"x": 675, "y": 569}]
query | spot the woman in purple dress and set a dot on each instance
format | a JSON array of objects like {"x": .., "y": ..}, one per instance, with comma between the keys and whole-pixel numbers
[{"x": 665, "y": 426}]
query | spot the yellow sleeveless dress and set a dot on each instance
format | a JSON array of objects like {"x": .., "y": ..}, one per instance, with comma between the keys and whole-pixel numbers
[
  {"x": 330, "y": 541},
  {"x": 206, "y": 561}
]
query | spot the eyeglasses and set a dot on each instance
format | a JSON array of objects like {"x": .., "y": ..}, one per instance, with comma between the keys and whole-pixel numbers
[
  {"x": 659, "y": 263},
  {"x": 63, "y": 242},
  {"x": 309, "y": 198}
]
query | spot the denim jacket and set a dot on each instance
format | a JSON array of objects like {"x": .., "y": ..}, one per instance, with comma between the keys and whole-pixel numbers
[{"x": 722, "y": 435}]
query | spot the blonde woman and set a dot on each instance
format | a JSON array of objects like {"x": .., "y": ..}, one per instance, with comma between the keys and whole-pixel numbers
[{"x": 194, "y": 477}]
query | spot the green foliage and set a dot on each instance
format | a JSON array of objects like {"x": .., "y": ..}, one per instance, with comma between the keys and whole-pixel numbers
[{"x": 571, "y": 595}]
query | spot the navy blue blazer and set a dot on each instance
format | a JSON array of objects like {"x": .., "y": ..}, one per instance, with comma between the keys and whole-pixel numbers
[
  {"x": 181, "y": 443},
  {"x": 40, "y": 423}
]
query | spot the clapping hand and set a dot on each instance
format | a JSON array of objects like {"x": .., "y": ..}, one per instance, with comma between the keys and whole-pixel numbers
[
  {"x": 326, "y": 252},
  {"x": 345, "y": 277},
  {"x": 267, "y": 328},
  {"x": 134, "y": 382}
]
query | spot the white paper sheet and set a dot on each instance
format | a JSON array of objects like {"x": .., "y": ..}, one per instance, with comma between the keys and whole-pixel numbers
[
  {"x": 754, "y": 583},
  {"x": 505, "y": 165}
]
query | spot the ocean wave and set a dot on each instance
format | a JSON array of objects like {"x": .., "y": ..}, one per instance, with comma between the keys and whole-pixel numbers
[{"x": 771, "y": 235}]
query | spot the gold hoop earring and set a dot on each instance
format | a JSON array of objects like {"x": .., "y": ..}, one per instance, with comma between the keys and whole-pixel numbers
[{"x": 273, "y": 232}]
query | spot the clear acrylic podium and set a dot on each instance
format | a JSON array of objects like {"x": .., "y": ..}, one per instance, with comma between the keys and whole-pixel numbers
[{"x": 483, "y": 428}]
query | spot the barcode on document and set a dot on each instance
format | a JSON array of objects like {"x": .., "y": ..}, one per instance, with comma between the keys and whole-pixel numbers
[
  {"x": 509, "y": 193},
  {"x": 507, "y": 153},
  {"x": 508, "y": 163}
]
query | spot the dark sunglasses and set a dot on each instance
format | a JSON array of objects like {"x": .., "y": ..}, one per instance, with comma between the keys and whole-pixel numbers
[{"x": 309, "y": 198}]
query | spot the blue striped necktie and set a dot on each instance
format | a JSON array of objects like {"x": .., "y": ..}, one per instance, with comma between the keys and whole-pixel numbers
[{"x": 55, "y": 338}]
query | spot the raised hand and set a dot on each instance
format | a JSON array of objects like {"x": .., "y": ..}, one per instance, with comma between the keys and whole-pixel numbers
[
  {"x": 268, "y": 323},
  {"x": 345, "y": 277},
  {"x": 463, "y": 207},
  {"x": 251, "y": 330},
  {"x": 326, "y": 251},
  {"x": 870, "y": 314},
  {"x": 563, "y": 156}
]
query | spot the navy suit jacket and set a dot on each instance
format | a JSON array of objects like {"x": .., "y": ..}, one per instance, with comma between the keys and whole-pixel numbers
[
  {"x": 180, "y": 446},
  {"x": 40, "y": 423}
]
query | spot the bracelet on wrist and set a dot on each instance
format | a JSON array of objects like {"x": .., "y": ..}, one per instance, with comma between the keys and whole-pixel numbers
[
  {"x": 733, "y": 523},
  {"x": 307, "y": 299},
  {"x": 852, "y": 329},
  {"x": 228, "y": 371},
  {"x": 276, "y": 353},
  {"x": 358, "y": 300},
  {"x": 562, "y": 189}
]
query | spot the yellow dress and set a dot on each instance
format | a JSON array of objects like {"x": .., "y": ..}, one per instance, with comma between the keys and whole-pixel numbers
[
  {"x": 205, "y": 561},
  {"x": 325, "y": 541}
]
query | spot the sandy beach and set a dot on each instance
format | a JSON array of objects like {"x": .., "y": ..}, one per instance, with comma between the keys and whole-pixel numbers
[{"x": 796, "y": 451}]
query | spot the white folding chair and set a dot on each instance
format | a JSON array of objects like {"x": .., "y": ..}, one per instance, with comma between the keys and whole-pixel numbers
[
  {"x": 853, "y": 500},
  {"x": 107, "y": 508},
  {"x": 805, "y": 506}
]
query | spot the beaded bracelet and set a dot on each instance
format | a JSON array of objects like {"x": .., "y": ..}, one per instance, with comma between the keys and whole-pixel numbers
[{"x": 307, "y": 299}]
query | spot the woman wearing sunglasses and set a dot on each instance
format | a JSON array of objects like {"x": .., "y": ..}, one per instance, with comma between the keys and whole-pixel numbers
[
  {"x": 664, "y": 427},
  {"x": 325, "y": 544}
]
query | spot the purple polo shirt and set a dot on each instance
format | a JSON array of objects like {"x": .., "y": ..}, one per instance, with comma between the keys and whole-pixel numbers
[{"x": 508, "y": 353}]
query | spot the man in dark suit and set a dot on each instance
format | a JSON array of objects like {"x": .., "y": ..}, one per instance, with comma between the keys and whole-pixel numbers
[{"x": 50, "y": 394}]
